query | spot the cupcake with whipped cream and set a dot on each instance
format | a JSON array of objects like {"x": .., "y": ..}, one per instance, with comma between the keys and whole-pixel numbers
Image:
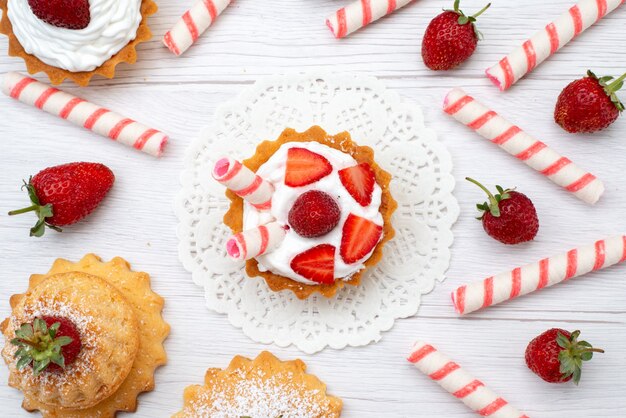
[
  {"x": 75, "y": 39},
  {"x": 311, "y": 212}
]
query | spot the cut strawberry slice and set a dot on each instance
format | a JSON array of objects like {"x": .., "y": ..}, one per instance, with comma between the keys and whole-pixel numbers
[
  {"x": 305, "y": 167},
  {"x": 69, "y": 14},
  {"x": 360, "y": 236},
  {"x": 316, "y": 264},
  {"x": 359, "y": 181}
]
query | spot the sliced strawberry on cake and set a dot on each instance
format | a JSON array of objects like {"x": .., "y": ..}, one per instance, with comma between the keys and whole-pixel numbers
[
  {"x": 316, "y": 264},
  {"x": 360, "y": 236},
  {"x": 330, "y": 214},
  {"x": 359, "y": 181},
  {"x": 68, "y": 14},
  {"x": 305, "y": 167}
]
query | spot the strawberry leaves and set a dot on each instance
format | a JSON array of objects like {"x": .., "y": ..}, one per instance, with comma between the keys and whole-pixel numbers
[
  {"x": 39, "y": 345},
  {"x": 611, "y": 87},
  {"x": 573, "y": 355},
  {"x": 42, "y": 211},
  {"x": 493, "y": 206},
  {"x": 464, "y": 20}
]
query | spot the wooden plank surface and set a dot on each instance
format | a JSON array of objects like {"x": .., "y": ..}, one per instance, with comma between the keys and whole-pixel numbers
[{"x": 257, "y": 38}]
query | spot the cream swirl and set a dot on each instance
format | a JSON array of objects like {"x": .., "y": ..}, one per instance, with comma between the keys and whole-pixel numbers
[
  {"x": 113, "y": 25},
  {"x": 278, "y": 261}
]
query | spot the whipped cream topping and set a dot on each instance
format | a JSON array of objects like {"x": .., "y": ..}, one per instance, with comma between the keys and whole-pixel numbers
[
  {"x": 113, "y": 25},
  {"x": 279, "y": 260}
]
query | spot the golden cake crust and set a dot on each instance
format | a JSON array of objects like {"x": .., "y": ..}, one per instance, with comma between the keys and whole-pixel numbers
[
  {"x": 57, "y": 75},
  {"x": 221, "y": 387},
  {"x": 152, "y": 331},
  {"x": 108, "y": 336},
  {"x": 341, "y": 142}
]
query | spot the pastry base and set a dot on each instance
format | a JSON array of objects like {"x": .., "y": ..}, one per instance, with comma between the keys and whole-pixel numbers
[
  {"x": 57, "y": 75},
  {"x": 153, "y": 330},
  {"x": 341, "y": 142},
  {"x": 266, "y": 365},
  {"x": 110, "y": 340}
]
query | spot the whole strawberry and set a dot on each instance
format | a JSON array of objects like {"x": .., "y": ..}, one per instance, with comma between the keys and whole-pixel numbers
[
  {"x": 450, "y": 38},
  {"x": 557, "y": 356},
  {"x": 65, "y": 194},
  {"x": 314, "y": 214},
  {"x": 509, "y": 217},
  {"x": 589, "y": 104}
]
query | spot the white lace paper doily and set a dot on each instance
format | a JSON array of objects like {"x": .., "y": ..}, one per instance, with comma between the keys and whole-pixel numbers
[{"x": 413, "y": 261}]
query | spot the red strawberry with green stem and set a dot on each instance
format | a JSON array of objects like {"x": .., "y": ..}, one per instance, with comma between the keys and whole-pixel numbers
[
  {"x": 509, "y": 217},
  {"x": 450, "y": 38},
  {"x": 557, "y": 356},
  {"x": 48, "y": 343},
  {"x": 65, "y": 194},
  {"x": 589, "y": 104},
  {"x": 68, "y": 14}
]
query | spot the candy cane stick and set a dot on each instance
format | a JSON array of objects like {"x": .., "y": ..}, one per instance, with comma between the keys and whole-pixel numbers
[
  {"x": 244, "y": 183},
  {"x": 547, "y": 41},
  {"x": 518, "y": 143},
  {"x": 360, "y": 14},
  {"x": 460, "y": 384},
  {"x": 80, "y": 112},
  {"x": 536, "y": 276},
  {"x": 193, "y": 23},
  {"x": 255, "y": 242}
]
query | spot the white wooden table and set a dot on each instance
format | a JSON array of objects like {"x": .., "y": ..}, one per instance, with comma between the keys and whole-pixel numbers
[{"x": 257, "y": 38}]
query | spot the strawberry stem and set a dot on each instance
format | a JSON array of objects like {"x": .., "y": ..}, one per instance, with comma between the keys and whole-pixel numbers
[
  {"x": 43, "y": 211},
  {"x": 573, "y": 355},
  {"x": 24, "y": 210},
  {"x": 494, "y": 207},
  {"x": 464, "y": 19},
  {"x": 31, "y": 344},
  {"x": 592, "y": 350},
  {"x": 53, "y": 227},
  {"x": 616, "y": 85},
  {"x": 483, "y": 10},
  {"x": 610, "y": 89}
]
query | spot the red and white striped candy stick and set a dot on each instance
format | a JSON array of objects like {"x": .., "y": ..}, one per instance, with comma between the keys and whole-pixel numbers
[
  {"x": 547, "y": 41},
  {"x": 360, "y": 14},
  {"x": 524, "y": 147},
  {"x": 450, "y": 376},
  {"x": 193, "y": 24},
  {"x": 80, "y": 112},
  {"x": 536, "y": 276},
  {"x": 244, "y": 183},
  {"x": 255, "y": 242}
]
